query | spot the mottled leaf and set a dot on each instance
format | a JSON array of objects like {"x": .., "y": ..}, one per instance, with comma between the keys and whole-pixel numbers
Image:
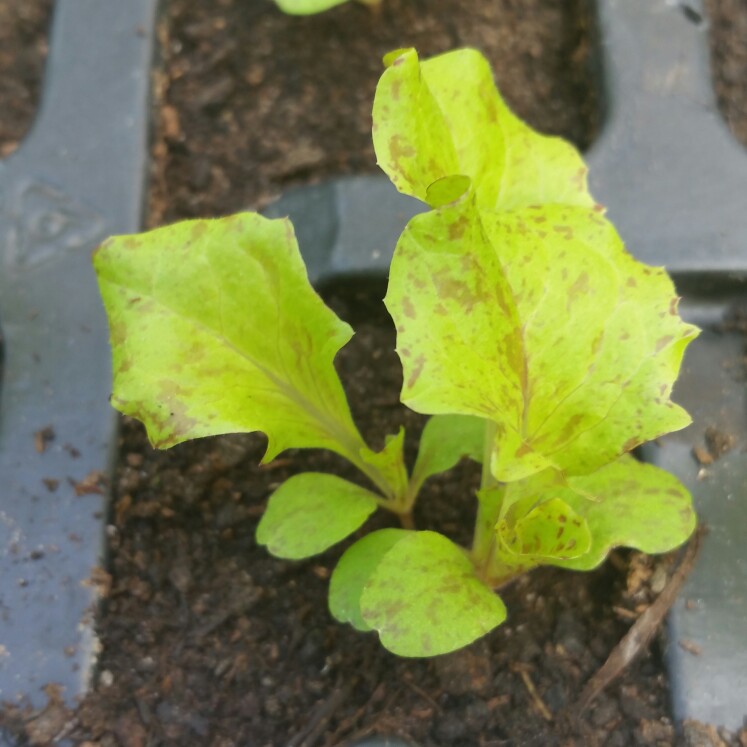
[
  {"x": 631, "y": 504},
  {"x": 444, "y": 441},
  {"x": 539, "y": 320},
  {"x": 424, "y": 598},
  {"x": 390, "y": 464},
  {"x": 625, "y": 503},
  {"x": 545, "y": 530},
  {"x": 353, "y": 571},
  {"x": 445, "y": 117},
  {"x": 312, "y": 511},
  {"x": 457, "y": 326},
  {"x": 216, "y": 329}
]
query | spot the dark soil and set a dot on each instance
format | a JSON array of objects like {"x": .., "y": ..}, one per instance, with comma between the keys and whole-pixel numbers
[
  {"x": 728, "y": 20},
  {"x": 206, "y": 639},
  {"x": 23, "y": 50}
]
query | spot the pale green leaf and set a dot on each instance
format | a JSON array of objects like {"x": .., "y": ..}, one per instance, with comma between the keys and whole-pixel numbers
[
  {"x": 457, "y": 326},
  {"x": 549, "y": 530},
  {"x": 312, "y": 511},
  {"x": 424, "y": 598},
  {"x": 216, "y": 329},
  {"x": 445, "y": 117},
  {"x": 631, "y": 504},
  {"x": 539, "y": 320},
  {"x": 306, "y": 7},
  {"x": 353, "y": 571},
  {"x": 444, "y": 441},
  {"x": 389, "y": 463},
  {"x": 573, "y": 522}
]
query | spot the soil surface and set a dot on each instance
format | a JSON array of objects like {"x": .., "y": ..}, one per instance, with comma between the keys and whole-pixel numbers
[
  {"x": 23, "y": 50},
  {"x": 728, "y": 19},
  {"x": 207, "y": 640}
]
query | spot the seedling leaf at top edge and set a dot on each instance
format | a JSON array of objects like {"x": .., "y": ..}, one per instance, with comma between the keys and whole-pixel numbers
[
  {"x": 312, "y": 511},
  {"x": 216, "y": 329},
  {"x": 444, "y": 117},
  {"x": 306, "y": 7}
]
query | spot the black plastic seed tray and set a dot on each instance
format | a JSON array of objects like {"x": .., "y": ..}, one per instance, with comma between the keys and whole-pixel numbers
[{"x": 78, "y": 177}]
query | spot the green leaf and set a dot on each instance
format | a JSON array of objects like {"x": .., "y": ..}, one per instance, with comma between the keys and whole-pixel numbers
[
  {"x": 312, "y": 511},
  {"x": 549, "y": 530},
  {"x": 625, "y": 503},
  {"x": 216, "y": 329},
  {"x": 353, "y": 571},
  {"x": 444, "y": 441},
  {"x": 390, "y": 463},
  {"x": 539, "y": 320},
  {"x": 457, "y": 325},
  {"x": 306, "y": 7},
  {"x": 424, "y": 598},
  {"x": 631, "y": 504},
  {"x": 445, "y": 117}
]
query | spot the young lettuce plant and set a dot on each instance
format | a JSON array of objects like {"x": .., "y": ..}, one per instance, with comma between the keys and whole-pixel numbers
[{"x": 540, "y": 347}]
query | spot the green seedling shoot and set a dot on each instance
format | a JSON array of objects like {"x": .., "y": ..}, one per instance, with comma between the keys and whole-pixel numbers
[
  {"x": 539, "y": 346},
  {"x": 310, "y": 7}
]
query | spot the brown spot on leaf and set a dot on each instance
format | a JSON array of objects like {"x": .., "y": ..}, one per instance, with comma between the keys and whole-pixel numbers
[
  {"x": 662, "y": 342},
  {"x": 565, "y": 231},
  {"x": 407, "y": 308},
  {"x": 580, "y": 285},
  {"x": 117, "y": 333},
  {"x": 523, "y": 450},
  {"x": 417, "y": 369},
  {"x": 458, "y": 227},
  {"x": 399, "y": 149}
]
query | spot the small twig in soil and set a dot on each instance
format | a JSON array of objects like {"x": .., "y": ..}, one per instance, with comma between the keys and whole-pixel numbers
[
  {"x": 424, "y": 695},
  {"x": 641, "y": 632},
  {"x": 346, "y": 725},
  {"x": 539, "y": 704},
  {"x": 318, "y": 723}
]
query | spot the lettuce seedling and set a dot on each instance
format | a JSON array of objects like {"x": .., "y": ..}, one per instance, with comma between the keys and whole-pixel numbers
[{"x": 538, "y": 345}]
